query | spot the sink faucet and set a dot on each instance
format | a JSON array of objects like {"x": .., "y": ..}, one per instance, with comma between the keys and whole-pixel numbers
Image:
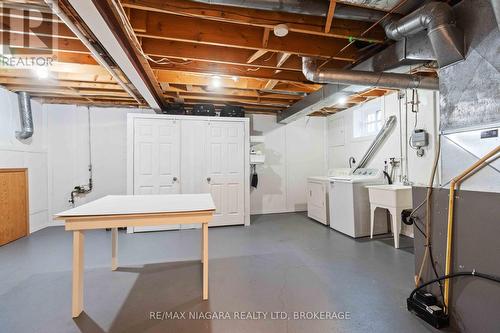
[{"x": 406, "y": 181}]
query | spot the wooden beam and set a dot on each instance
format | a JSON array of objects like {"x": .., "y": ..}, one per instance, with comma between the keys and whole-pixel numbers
[
  {"x": 140, "y": 21},
  {"x": 23, "y": 81},
  {"x": 65, "y": 72},
  {"x": 188, "y": 29},
  {"x": 257, "y": 54},
  {"x": 219, "y": 105},
  {"x": 232, "y": 70},
  {"x": 232, "y": 99},
  {"x": 182, "y": 51},
  {"x": 83, "y": 101},
  {"x": 199, "y": 90},
  {"x": 282, "y": 58},
  {"x": 304, "y": 24},
  {"x": 265, "y": 37},
  {"x": 180, "y": 77},
  {"x": 69, "y": 91},
  {"x": 271, "y": 84},
  {"x": 329, "y": 15},
  {"x": 44, "y": 44}
]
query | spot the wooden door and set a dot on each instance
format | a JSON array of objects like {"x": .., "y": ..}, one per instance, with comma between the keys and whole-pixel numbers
[
  {"x": 14, "y": 214},
  {"x": 156, "y": 160},
  {"x": 226, "y": 171}
]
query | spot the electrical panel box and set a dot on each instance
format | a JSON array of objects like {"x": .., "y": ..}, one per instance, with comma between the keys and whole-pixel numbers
[{"x": 419, "y": 138}]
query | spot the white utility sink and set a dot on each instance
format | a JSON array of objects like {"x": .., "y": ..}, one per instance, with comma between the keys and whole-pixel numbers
[
  {"x": 390, "y": 195},
  {"x": 395, "y": 198}
]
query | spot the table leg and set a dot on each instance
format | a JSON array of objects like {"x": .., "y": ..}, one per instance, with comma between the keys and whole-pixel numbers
[
  {"x": 205, "y": 260},
  {"x": 202, "y": 243},
  {"x": 114, "y": 249},
  {"x": 77, "y": 292}
]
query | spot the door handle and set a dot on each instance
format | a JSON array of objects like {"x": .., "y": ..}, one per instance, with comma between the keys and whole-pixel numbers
[
  {"x": 174, "y": 179},
  {"x": 209, "y": 179}
]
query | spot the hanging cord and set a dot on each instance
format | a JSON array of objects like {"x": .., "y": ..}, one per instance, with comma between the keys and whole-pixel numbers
[
  {"x": 428, "y": 212},
  {"x": 454, "y": 275}
]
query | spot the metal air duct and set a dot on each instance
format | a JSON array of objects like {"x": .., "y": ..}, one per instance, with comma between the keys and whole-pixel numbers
[
  {"x": 495, "y": 5},
  {"x": 437, "y": 18},
  {"x": 378, "y": 141},
  {"x": 366, "y": 78},
  {"x": 27, "y": 130},
  {"x": 304, "y": 7}
]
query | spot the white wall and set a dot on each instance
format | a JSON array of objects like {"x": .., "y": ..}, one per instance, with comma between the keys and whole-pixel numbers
[
  {"x": 419, "y": 168},
  {"x": 31, "y": 154},
  {"x": 341, "y": 143},
  {"x": 293, "y": 152},
  {"x": 68, "y": 152}
]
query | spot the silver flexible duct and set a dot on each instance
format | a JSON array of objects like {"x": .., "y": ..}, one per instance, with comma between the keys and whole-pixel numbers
[
  {"x": 365, "y": 78},
  {"x": 437, "y": 18},
  {"x": 26, "y": 116},
  {"x": 304, "y": 7},
  {"x": 378, "y": 141}
]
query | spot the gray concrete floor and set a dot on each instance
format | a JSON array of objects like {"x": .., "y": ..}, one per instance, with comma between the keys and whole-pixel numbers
[{"x": 282, "y": 262}]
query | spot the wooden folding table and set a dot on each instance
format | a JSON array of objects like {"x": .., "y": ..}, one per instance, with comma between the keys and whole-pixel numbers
[{"x": 114, "y": 211}]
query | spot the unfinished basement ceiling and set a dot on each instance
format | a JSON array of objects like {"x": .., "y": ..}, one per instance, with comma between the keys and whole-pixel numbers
[
  {"x": 199, "y": 53},
  {"x": 384, "y": 5}
]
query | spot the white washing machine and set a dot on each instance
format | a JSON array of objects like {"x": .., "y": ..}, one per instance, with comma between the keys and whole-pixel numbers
[{"x": 349, "y": 203}]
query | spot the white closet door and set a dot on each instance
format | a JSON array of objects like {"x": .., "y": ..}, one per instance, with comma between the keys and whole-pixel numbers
[
  {"x": 193, "y": 171},
  {"x": 156, "y": 160},
  {"x": 225, "y": 171}
]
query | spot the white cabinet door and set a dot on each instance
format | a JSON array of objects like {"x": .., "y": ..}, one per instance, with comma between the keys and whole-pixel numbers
[
  {"x": 225, "y": 171},
  {"x": 156, "y": 160},
  {"x": 316, "y": 201}
]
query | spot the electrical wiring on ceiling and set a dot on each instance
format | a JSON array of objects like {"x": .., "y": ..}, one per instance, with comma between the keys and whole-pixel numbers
[{"x": 131, "y": 34}]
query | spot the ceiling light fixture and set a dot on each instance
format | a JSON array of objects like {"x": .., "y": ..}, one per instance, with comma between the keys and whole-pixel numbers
[
  {"x": 281, "y": 30},
  {"x": 216, "y": 82},
  {"x": 42, "y": 72},
  {"x": 342, "y": 100}
]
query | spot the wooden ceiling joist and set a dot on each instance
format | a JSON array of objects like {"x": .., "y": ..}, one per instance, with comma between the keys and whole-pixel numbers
[
  {"x": 256, "y": 55},
  {"x": 353, "y": 100},
  {"x": 229, "y": 92},
  {"x": 23, "y": 81},
  {"x": 329, "y": 15},
  {"x": 194, "y": 41},
  {"x": 180, "y": 77},
  {"x": 344, "y": 29},
  {"x": 231, "y": 99},
  {"x": 232, "y": 70},
  {"x": 166, "y": 27}
]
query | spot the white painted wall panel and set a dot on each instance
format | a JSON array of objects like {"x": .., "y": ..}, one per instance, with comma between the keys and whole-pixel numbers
[
  {"x": 31, "y": 154},
  {"x": 68, "y": 155},
  {"x": 305, "y": 157},
  {"x": 293, "y": 152}
]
